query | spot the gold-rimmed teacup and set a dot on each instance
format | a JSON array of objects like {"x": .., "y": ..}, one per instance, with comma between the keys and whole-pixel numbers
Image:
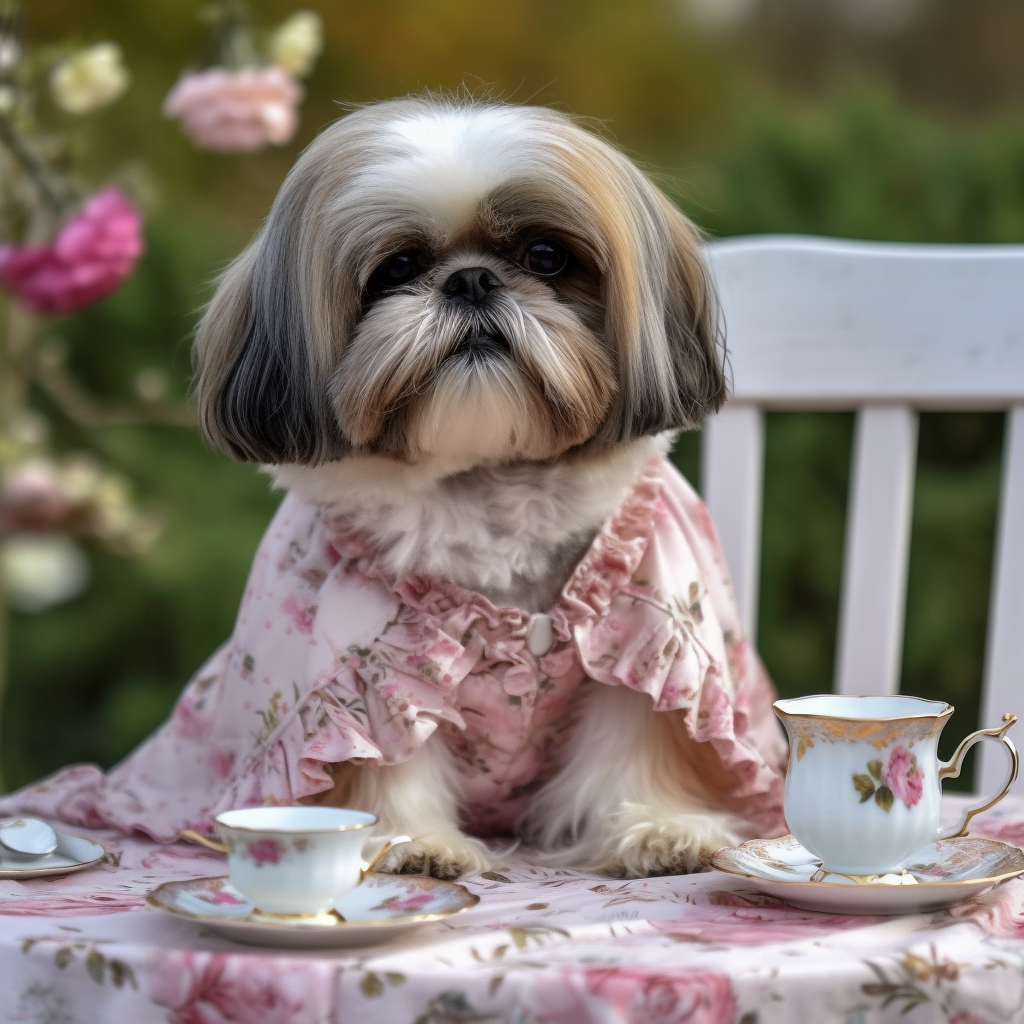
[
  {"x": 864, "y": 784},
  {"x": 295, "y": 860}
]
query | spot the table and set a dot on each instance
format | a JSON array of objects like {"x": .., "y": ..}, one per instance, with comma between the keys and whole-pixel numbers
[{"x": 542, "y": 947}]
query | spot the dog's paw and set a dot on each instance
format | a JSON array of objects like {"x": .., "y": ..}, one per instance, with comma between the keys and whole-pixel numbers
[
  {"x": 648, "y": 844},
  {"x": 447, "y": 855}
]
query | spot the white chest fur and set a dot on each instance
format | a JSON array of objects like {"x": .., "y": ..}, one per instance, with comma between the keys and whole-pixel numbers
[{"x": 512, "y": 533}]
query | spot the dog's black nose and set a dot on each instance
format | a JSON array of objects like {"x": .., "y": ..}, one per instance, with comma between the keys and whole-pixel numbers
[{"x": 472, "y": 285}]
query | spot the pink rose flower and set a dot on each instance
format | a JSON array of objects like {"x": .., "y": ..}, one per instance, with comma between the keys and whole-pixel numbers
[
  {"x": 633, "y": 995},
  {"x": 236, "y": 111},
  {"x": 95, "y": 250},
  {"x": 650, "y": 997},
  {"x": 214, "y": 988},
  {"x": 903, "y": 776}
]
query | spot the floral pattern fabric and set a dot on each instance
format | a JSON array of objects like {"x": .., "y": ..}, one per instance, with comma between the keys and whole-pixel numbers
[
  {"x": 332, "y": 660},
  {"x": 542, "y": 946}
]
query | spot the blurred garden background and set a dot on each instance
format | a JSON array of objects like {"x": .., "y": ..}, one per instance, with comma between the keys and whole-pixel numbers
[{"x": 885, "y": 119}]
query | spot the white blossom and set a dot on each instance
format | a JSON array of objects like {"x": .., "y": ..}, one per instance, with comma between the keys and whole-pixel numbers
[
  {"x": 42, "y": 570},
  {"x": 89, "y": 79},
  {"x": 297, "y": 43}
]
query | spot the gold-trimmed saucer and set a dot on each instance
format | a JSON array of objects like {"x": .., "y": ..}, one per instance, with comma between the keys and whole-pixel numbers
[
  {"x": 938, "y": 875},
  {"x": 379, "y": 908},
  {"x": 73, "y": 853}
]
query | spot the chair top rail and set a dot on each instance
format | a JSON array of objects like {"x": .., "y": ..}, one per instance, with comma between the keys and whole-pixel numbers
[{"x": 827, "y": 323}]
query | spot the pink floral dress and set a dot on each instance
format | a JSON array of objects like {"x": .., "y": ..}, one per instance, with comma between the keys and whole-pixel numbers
[{"x": 332, "y": 660}]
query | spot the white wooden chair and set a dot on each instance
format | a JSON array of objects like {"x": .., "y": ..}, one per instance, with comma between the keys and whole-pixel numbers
[{"x": 887, "y": 330}]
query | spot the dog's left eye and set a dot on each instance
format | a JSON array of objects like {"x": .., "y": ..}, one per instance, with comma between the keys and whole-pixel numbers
[
  {"x": 545, "y": 258},
  {"x": 397, "y": 270}
]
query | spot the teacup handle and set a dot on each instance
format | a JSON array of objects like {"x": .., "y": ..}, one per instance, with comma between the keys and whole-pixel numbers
[
  {"x": 951, "y": 769},
  {"x": 367, "y": 867},
  {"x": 201, "y": 840}
]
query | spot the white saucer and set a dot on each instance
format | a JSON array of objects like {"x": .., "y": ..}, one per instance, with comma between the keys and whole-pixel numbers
[
  {"x": 938, "y": 875},
  {"x": 73, "y": 853},
  {"x": 378, "y": 909}
]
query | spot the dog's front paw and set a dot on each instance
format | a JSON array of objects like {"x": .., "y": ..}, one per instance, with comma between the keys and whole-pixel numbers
[
  {"x": 648, "y": 843},
  {"x": 442, "y": 855}
]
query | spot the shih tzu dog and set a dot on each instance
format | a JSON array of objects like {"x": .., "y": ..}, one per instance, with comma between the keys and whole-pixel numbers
[{"x": 463, "y": 341}]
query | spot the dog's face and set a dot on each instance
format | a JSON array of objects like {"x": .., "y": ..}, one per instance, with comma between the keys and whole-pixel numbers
[{"x": 474, "y": 282}]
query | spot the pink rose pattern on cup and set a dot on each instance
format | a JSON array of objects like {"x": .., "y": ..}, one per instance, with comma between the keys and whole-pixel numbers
[
  {"x": 900, "y": 778},
  {"x": 268, "y": 850}
]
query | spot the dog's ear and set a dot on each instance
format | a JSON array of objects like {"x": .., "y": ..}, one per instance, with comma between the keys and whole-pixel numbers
[
  {"x": 263, "y": 351},
  {"x": 662, "y": 320}
]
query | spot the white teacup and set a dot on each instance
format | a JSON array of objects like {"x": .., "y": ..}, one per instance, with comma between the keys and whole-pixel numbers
[
  {"x": 863, "y": 790},
  {"x": 295, "y": 860}
]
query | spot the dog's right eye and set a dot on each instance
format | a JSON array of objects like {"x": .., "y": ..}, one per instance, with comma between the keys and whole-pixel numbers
[{"x": 397, "y": 270}]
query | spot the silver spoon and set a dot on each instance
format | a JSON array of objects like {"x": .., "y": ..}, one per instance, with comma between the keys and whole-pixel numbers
[{"x": 27, "y": 837}]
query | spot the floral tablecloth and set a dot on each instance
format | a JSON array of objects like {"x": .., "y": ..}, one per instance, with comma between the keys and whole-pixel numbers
[{"x": 541, "y": 947}]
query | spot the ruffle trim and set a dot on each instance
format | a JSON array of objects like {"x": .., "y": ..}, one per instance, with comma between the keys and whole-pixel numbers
[
  {"x": 460, "y": 631},
  {"x": 664, "y": 659},
  {"x": 381, "y": 707},
  {"x": 608, "y": 566},
  {"x": 611, "y": 562}
]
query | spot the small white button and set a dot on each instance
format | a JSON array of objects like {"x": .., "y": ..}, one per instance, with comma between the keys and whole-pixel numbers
[{"x": 540, "y": 634}]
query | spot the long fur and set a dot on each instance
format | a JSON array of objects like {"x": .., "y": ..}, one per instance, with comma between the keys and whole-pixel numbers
[
  {"x": 483, "y": 442},
  {"x": 272, "y": 349}
]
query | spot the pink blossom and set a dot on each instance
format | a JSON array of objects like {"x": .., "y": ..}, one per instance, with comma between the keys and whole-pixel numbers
[
  {"x": 236, "y": 111},
  {"x": 903, "y": 776},
  {"x": 215, "y": 988},
  {"x": 95, "y": 250}
]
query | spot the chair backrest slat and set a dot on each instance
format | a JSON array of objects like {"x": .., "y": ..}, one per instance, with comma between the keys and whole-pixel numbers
[
  {"x": 822, "y": 324},
  {"x": 1004, "y": 663},
  {"x": 885, "y": 330},
  {"x": 873, "y": 597},
  {"x": 733, "y": 457}
]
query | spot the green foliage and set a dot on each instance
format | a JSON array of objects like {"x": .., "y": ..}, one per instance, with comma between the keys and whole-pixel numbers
[{"x": 860, "y": 165}]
